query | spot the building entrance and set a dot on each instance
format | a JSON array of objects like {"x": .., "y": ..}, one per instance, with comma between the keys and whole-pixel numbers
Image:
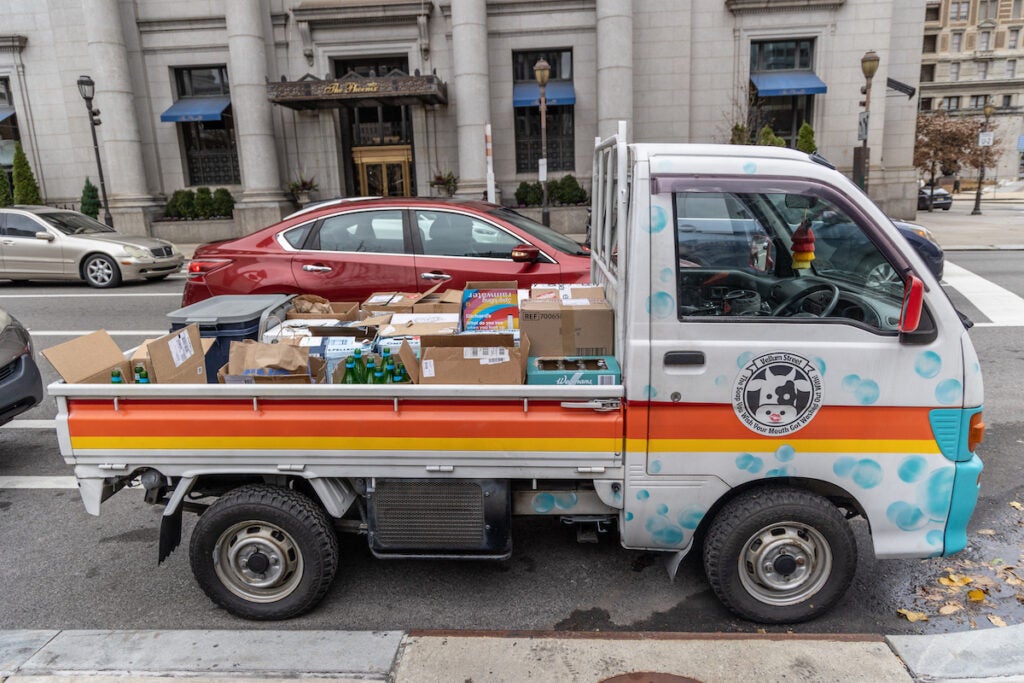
[{"x": 383, "y": 171}]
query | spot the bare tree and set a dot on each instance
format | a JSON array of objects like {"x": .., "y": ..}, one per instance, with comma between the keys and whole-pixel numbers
[
  {"x": 979, "y": 157},
  {"x": 943, "y": 145}
]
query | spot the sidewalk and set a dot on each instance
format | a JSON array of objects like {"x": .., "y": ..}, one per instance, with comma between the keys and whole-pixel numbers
[
  {"x": 1000, "y": 225},
  {"x": 414, "y": 657}
]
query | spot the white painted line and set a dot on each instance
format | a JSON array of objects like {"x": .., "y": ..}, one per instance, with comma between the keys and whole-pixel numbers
[
  {"x": 996, "y": 325},
  {"x": 38, "y": 483},
  {"x": 1001, "y": 306},
  {"x": 112, "y": 333},
  {"x": 30, "y": 424},
  {"x": 86, "y": 296}
]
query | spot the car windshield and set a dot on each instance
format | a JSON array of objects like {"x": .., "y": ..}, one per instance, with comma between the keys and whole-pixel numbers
[
  {"x": 74, "y": 223},
  {"x": 541, "y": 232}
]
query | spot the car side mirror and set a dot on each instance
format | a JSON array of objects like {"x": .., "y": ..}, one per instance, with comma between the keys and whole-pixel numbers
[
  {"x": 525, "y": 253},
  {"x": 913, "y": 303},
  {"x": 45, "y": 236}
]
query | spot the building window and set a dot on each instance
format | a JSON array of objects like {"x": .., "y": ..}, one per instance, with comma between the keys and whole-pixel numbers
[
  {"x": 927, "y": 73},
  {"x": 1007, "y": 101},
  {"x": 925, "y": 104},
  {"x": 929, "y": 44},
  {"x": 561, "y": 128},
  {"x": 954, "y": 71},
  {"x": 951, "y": 103},
  {"x": 956, "y": 42},
  {"x": 985, "y": 41},
  {"x": 783, "y": 55},
  {"x": 987, "y": 9},
  {"x": 1011, "y": 68},
  {"x": 1013, "y": 38},
  {"x": 982, "y": 70},
  {"x": 1017, "y": 9},
  {"x": 931, "y": 12},
  {"x": 211, "y": 155},
  {"x": 9, "y": 135},
  {"x": 978, "y": 101},
  {"x": 958, "y": 11},
  {"x": 785, "y": 113}
]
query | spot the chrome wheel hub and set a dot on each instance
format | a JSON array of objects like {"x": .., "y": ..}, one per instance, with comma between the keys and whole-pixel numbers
[
  {"x": 785, "y": 564},
  {"x": 258, "y": 561}
]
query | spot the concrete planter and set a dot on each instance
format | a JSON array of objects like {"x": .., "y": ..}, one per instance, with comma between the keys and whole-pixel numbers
[
  {"x": 568, "y": 220},
  {"x": 194, "y": 232}
]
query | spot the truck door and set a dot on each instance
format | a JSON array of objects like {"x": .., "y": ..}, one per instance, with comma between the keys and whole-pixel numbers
[{"x": 777, "y": 355}]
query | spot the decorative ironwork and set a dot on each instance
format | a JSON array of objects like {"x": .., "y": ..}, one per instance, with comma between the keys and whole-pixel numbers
[
  {"x": 213, "y": 167},
  {"x": 353, "y": 90},
  {"x": 561, "y": 153}
]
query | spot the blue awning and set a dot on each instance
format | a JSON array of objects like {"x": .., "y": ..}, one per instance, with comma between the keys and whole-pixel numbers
[
  {"x": 6, "y": 113},
  {"x": 196, "y": 109},
  {"x": 788, "y": 83},
  {"x": 557, "y": 92}
]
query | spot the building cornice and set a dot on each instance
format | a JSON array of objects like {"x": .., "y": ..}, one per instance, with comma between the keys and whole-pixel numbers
[
  {"x": 13, "y": 43},
  {"x": 760, "y": 6}
]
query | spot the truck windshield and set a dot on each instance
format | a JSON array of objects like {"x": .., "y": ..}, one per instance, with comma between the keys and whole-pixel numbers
[{"x": 541, "y": 232}]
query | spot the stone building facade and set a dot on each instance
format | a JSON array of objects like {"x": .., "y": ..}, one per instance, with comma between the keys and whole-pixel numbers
[
  {"x": 973, "y": 54},
  {"x": 382, "y": 97}
]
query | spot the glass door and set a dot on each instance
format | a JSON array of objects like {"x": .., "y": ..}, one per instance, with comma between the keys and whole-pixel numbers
[{"x": 383, "y": 171}]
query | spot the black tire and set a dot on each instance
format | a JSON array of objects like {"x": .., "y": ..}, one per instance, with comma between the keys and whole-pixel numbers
[
  {"x": 766, "y": 535},
  {"x": 157, "y": 278},
  {"x": 101, "y": 271},
  {"x": 289, "y": 534},
  {"x": 947, "y": 208}
]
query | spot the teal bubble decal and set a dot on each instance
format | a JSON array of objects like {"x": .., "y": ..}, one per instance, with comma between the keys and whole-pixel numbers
[
  {"x": 654, "y": 467},
  {"x": 820, "y": 362},
  {"x": 566, "y": 501},
  {"x": 784, "y": 471},
  {"x": 690, "y": 517},
  {"x": 616, "y": 495},
  {"x": 912, "y": 468},
  {"x": 750, "y": 168},
  {"x": 867, "y": 474},
  {"x": 936, "y": 491},
  {"x": 629, "y": 516},
  {"x": 643, "y": 494},
  {"x": 721, "y": 381},
  {"x": 785, "y": 453},
  {"x": 935, "y": 537},
  {"x": 659, "y": 219},
  {"x": 649, "y": 391},
  {"x": 906, "y": 516},
  {"x": 750, "y": 463},
  {"x": 667, "y": 276},
  {"x": 851, "y": 382},
  {"x": 948, "y": 392},
  {"x": 866, "y": 393},
  {"x": 743, "y": 359},
  {"x": 662, "y": 509},
  {"x": 928, "y": 364},
  {"x": 976, "y": 367},
  {"x": 843, "y": 466},
  {"x": 671, "y": 536},
  {"x": 661, "y": 305},
  {"x": 543, "y": 502}
]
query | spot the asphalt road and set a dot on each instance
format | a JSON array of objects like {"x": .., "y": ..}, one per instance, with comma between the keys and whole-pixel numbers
[{"x": 65, "y": 569}]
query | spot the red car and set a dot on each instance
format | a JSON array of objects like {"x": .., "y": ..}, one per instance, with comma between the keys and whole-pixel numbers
[{"x": 347, "y": 249}]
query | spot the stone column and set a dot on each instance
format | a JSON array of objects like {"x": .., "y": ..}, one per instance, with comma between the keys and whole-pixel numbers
[
  {"x": 472, "y": 93},
  {"x": 262, "y": 201},
  {"x": 132, "y": 205},
  {"x": 614, "y": 65}
]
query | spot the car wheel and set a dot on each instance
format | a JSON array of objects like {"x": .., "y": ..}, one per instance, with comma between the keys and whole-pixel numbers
[
  {"x": 947, "y": 208},
  {"x": 101, "y": 271},
  {"x": 264, "y": 552},
  {"x": 878, "y": 273},
  {"x": 780, "y": 555}
]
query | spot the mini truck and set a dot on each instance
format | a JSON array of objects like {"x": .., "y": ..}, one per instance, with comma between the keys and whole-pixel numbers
[{"x": 771, "y": 391}]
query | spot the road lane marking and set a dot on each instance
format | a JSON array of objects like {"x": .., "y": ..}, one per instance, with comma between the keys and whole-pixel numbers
[
  {"x": 30, "y": 424},
  {"x": 38, "y": 483},
  {"x": 85, "y": 296},
  {"x": 1002, "y": 307},
  {"x": 112, "y": 333}
]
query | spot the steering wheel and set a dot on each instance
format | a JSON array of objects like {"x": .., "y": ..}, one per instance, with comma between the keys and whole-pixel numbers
[{"x": 798, "y": 298}]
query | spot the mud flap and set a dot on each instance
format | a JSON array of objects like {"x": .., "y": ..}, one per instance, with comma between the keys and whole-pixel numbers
[{"x": 170, "y": 534}]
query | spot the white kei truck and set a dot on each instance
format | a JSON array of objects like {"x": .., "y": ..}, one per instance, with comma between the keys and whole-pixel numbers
[{"x": 789, "y": 363}]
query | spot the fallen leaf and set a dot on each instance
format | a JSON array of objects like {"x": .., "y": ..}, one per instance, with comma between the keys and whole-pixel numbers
[
  {"x": 913, "y": 616},
  {"x": 955, "y": 580},
  {"x": 997, "y": 561},
  {"x": 949, "y": 608},
  {"x": 1016, "y": 506},
  {"x": 985, "y": 582},
  {"x": 998, "y": 621},
  {"x": 987, "y": 532},
  {"x": 976, "y": 595},
  {"x": 1012, "y": 580}
]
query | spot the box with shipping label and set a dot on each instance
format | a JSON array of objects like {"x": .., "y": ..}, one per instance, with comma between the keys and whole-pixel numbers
[
  {"x": 490, "y": 306},
  {"x": 394, "y": 344},
  {"x": 565, "y": 292},
  {"x": 89, "y": 359},
  {"x": 173, "y": 358},
  {"x": 467, "y": 359},
  {"x": 394, "y": 302},
  {"x": 573, "y": 371},
  {"x": 419, "y": 324},
  {"x": 569, "y": 327}
]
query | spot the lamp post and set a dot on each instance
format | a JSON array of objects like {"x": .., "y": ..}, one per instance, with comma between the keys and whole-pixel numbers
[
  {"x": 541, "y": 71},
  {"x": 862, "y": 162},
  {"x": 983, "y": 152},
  {"x": 87, "y": 89}
]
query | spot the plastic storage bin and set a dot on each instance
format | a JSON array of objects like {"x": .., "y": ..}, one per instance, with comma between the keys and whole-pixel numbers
[{"x": 230, "y": 318}]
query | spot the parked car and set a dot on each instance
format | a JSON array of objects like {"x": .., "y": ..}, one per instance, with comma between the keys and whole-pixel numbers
[
  {"x": 849, "y": 250},
  {"x": 21, "y": 386},
  {"x": 940, "y": 200},
  {"x": 43, "y": 243},
  {"x": 347, "y": 250}
]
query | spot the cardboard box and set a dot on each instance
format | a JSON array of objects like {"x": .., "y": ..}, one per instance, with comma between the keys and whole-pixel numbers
[
  {"x": 395, "y": 302},
  {"x": 586, "y": 371},
  {"x": 449, "y": 301},
  {"x": 567, "y": 292},
  {"x": 569, "y": 327},
  {"x": 467, "y": 359},
  {"x": 340, "y": 310},
  {"x": 251, "y": 362},
  {"x": 419, "y": 324},
  {"x": 164, "y": 370},
  {"x": 88, "y": 359},
  {"x": 490, "y": 306}
]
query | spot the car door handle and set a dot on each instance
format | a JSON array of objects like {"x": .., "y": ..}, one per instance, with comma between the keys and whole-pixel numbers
[
  {"x": 435, "y": 276},
  {"x": 317, "y": 269},
  {"x": 684, "y": 358}
]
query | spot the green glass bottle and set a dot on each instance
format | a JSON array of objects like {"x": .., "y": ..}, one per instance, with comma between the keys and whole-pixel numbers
[
  {"x": 115, "y": 376},
  {"x": 141, "y": 376},
  {"x": 371, "y": 367},
  {"x": 378, "y": 377},
  {"x": 357, "y": 356},
  {"x": 403, "y": 373},
  {"x": 385, "y": 355},
  {"x": 350, "y": 372}
]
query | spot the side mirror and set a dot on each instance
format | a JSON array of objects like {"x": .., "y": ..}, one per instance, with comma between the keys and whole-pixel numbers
[
  {"x": 43, "y": 235},
  {"x": 913, "y": 304},
  {"x": 761, "y": 256},
  {"x": 525, "y": 253}
]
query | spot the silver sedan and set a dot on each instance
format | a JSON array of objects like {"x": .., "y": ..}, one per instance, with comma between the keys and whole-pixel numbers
[{"x": 43, "y": 243}]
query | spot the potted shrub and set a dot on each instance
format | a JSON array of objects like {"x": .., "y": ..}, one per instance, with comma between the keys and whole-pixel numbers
[
  {"x": 301, "y": 187},
  {"x": 445, "y": 183}
]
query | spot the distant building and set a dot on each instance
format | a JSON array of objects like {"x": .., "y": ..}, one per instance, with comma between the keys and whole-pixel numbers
[
  {"x": 972, "y": 54},
  {"x": 380, "y": 97}
]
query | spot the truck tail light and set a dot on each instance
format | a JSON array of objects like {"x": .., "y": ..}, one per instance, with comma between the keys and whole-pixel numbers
[
  {"x": 198, "y": 269},
  {"x": 976, "y": 432}
]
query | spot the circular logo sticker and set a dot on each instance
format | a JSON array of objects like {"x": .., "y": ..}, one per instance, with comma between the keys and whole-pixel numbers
[{"x": 777, "y": 393}]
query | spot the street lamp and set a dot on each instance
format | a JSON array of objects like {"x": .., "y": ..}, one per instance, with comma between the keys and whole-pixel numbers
[
  {"x": 983, "y": 152},
  {"x": 862, "y": 161},
  {"x": 87, "y": 88},
  {"x": 541, "y": 71}
]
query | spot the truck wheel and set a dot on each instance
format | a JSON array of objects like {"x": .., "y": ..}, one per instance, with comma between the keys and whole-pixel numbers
[
  {"x": 264, "y": 552},
  {"x": 779, "y": 555}
]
